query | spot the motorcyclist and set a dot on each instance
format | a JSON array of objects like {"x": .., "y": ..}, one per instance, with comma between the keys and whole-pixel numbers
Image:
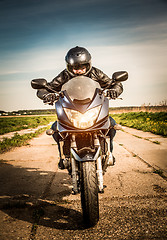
[{"x": 78, "y": 62}]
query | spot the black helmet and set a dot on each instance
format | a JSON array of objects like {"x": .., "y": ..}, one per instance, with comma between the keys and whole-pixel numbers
[{"x": 78, "y": 58}]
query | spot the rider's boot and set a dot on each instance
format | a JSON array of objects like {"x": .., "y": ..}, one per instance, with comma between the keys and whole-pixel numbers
[
  {"x": 111, "y": 160},
  {"x": 61, "y": 164},
  {"x": 64, "y": 162}
]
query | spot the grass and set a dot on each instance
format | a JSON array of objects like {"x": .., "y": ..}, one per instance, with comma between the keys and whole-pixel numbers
[
  {"x": 18, "y": 140},
  {"x": 156, "y": 142},
  {"x": 145, "y": 121},
  {"x": 11, "y": 124}
]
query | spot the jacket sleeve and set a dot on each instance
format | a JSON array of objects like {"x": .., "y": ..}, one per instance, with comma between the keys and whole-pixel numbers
[
  {"x": 57, "y": 82},
  {"x": 118, "y": 87},
  {"x": 106, "y": 82}
]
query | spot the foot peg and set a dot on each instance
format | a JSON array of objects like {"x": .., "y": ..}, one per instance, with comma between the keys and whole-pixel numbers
[{"x": 49, "y": 132}]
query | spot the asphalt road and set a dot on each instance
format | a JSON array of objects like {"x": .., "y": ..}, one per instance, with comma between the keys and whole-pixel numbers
[{"x": 36, "y": 200}]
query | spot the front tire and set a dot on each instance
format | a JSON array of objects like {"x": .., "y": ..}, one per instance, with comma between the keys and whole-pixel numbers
[{"x": 89, "y": 193}]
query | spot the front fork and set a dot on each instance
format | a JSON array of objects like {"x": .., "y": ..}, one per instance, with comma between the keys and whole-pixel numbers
[{"x": 74, "y": 165}]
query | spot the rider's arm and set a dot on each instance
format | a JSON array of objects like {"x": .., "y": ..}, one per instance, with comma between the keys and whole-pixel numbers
[
  {"x": 46, "y": 96},
  {"x": 57, "y": 82},
  {"x": 118, "y": 87},
  {"x": 106, "y": 82}
]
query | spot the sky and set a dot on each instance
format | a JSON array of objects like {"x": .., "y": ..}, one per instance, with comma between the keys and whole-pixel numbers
[{"x": 126, "y": 35}]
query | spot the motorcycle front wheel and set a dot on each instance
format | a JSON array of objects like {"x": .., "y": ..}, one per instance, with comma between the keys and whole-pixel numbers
[{"x": 89, "y": 193}]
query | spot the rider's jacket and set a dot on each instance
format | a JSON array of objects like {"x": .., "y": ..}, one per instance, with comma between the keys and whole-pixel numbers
[{"x": 95, "y": 74}]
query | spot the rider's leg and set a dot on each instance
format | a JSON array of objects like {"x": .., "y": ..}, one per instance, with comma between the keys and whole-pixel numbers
[
  {"x": 111, "y": 135},
  {"x": 111, "y": 132},
  {"x": 58, "y": 138}
]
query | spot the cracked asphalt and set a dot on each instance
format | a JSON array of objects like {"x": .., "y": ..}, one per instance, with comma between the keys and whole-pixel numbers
[{"x": 36, "y": 201}]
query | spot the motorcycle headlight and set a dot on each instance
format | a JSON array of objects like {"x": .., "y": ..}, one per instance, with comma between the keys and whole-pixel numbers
[{"x": 83, "y": 120}]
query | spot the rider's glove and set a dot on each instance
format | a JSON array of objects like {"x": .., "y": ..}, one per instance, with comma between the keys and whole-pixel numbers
[
  {"x": 112, "y": 93},
  {"x": 49, "y": 98}
]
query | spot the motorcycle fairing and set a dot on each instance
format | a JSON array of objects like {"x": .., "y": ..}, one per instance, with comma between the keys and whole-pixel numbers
[
  {"x": 87, "y": 156},
  {"x": 103, "y": 125},
  {"x": 104, "y": 110},
  {"x": 66, "y": 102},
  {"x": 64, "y": 123}
]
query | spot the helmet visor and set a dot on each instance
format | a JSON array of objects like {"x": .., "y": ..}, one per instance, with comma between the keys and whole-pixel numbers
[{"x": 79, "y": 69}]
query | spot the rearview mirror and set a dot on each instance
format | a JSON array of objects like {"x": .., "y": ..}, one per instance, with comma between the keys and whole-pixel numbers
[
  {"x": 120, "y": 76},
  {"x": 38, "y": 83}
]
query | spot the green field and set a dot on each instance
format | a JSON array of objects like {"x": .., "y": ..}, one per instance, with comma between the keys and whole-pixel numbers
[
  {"x": 18, "y": 141},
  {"x": 11, "y": 124},
  {"x": 145, "y": 121}
]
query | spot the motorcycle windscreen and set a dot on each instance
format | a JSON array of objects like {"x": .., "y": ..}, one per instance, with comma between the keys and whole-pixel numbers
[{"x": 81, "y": 88}]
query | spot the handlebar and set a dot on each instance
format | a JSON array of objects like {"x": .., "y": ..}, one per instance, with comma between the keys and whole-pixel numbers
[{"x": 61, "y": 94}]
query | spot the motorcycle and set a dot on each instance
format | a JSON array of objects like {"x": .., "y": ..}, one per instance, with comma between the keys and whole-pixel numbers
[{"x": 82, "y": 109}]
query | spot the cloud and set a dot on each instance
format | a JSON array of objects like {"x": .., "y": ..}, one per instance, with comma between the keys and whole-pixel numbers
[
  {"x": 25, "y": 24},
  {"x": 121, "y": 35},
  {"x": 145, "y": 63},
  {"x": 35, "y": 60}
]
